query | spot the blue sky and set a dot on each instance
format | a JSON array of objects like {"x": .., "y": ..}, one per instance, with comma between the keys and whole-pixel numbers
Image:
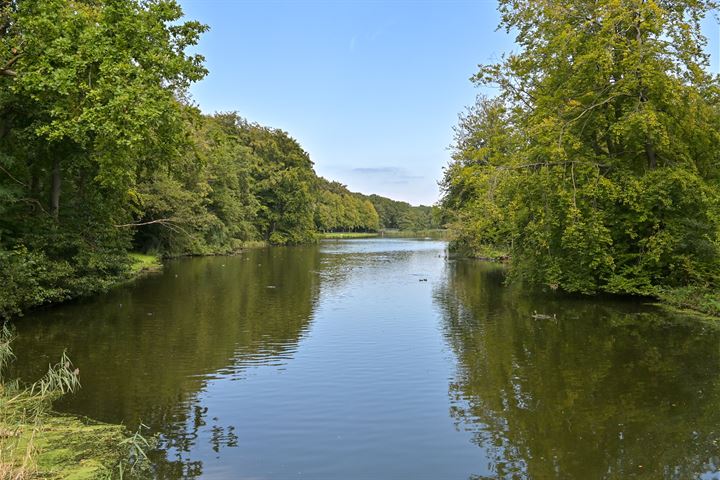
[{"x": 370, "y": 88}]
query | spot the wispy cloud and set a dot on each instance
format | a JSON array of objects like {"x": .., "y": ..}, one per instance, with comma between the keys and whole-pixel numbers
[
  {"x": 371, "y": 37},
  {"x": 398, "y": 174}
]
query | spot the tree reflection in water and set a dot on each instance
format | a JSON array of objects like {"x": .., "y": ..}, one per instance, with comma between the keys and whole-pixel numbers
[
  {"x": 151, "y": 348},
  {"x": 608, "y": 389}
]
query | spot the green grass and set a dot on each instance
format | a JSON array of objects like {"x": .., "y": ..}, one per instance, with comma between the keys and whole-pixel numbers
[
  {"x": 337, "y": 235},
  {"x": 142, "y": 262},
  {"x": 254, "y": 244},
  {"x": 66, "y": 447},
  {"x": 435, "y": 234},
  {"x": 489, "y": 253}
]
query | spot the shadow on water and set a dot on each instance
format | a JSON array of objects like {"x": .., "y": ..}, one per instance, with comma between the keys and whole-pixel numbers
[
  {"x": 606, "y": 389},
  {"x": 150, "y": 348}
]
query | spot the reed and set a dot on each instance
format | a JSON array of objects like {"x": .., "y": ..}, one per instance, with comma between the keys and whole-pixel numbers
[{"x": 38, "y": 443}]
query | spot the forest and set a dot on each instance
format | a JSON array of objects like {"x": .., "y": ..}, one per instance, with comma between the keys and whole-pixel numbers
[
  {"x": 102, "y": 153},
  {"x": 595, "y": 168}
]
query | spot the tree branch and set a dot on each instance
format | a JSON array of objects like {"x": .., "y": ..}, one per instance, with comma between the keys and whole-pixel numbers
[
  {"x": 11, "y": 176},
  {"x": 12, "y": 61},
  {"x": 168, "y": 223},
  {"x": 161, "y": 221}
]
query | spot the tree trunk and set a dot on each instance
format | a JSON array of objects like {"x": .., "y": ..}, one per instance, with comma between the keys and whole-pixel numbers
[
  {"x": 650, "y": 152},
  {"x": 55, "y": 190}
]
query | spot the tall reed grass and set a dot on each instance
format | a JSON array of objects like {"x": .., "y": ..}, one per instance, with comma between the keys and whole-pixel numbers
[{"x": 30, "y": 432}]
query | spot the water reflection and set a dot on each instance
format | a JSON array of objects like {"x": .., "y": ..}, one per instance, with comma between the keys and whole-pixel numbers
[
  {"x": 604, "y": 390},
  {"x": 147, "y": 351},
  {"x": 333, "y": 361}
]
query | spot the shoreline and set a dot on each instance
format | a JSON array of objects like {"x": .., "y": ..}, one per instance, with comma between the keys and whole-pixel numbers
[{"x": 687, "y": 300}]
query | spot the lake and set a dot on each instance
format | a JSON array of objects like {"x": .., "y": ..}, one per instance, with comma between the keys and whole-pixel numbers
[{"x": 385, "y": 358}]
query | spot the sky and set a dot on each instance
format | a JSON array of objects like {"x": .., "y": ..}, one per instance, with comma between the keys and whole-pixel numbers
[{"x": 370, "y": 88}]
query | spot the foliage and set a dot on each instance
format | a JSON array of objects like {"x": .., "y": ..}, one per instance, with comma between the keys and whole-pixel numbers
[
  {"x": 91, "y": 101},
  {"x": 399, "y": 215},
  {"x": 596, "y": 165},
  {"x": 698, "y": 298},
  {"x": 102, "y": 154},
  {"x": 339, "y": 210},
  {"x": 283, "y": 184},
  {"x": 345, "y": 235}
]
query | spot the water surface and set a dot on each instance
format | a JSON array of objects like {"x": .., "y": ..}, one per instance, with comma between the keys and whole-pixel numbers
[{"x": 382, "y": 358}]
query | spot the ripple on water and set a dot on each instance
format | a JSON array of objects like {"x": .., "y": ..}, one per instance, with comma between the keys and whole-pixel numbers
[{"x": 352, "y": 366}]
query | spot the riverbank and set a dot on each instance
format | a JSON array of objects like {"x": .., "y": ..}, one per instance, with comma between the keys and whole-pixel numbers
[
  {"x": 693, "y": 299},
  {"x": 436, "y": 234},
  {"x": 36, "y": 442},
  {"x": 34, "y": 281},
  {"x": 144, "y": 263},
  {"x": 56, "y": 446},
  {"x": 348, "y": 235}
]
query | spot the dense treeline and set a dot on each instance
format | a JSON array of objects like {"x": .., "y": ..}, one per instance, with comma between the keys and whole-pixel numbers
[
  {"x": 90, "y": 105},
  {"x": 339, "y": 210},
  {"x": 236, "y": 182},
  {"x": 397, "y": 215},
  {"x": 596, "y": 167},
  {"x": 102, "y": 154}
]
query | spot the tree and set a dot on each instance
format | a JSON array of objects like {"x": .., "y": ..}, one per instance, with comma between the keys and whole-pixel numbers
[
  {"x": 597, "y": 163},
  {"x": 339, "y": 209},
  {"x": 91, "y": 98},
  {"x": 283, "y": 179},
  {"x": 100, "y": 81}
]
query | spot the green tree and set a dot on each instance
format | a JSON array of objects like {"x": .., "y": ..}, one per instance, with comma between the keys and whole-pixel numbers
[
  {"x": 339, "y": 209},
  {"x": 89, "y": 98},
  {"x": 204, "y": 202},
  {"x": 101, "y": 81},
  {"x": 284, "y": 182},
  {"x": 597, "y": 163}
]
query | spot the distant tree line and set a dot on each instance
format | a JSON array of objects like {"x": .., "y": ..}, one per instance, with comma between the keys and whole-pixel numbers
[
  {"x": 340, "y": 210},
  {"x": 397, "y": 215}
]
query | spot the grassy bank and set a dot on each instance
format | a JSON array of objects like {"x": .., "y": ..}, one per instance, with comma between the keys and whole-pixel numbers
[
  {"x": 437, "y": 234},
  {"x": 142, "y": 262},
  {"x": 36, "y": 442},
  {"x": 33, "y": 280},
  {"x": 60, "y": 447},
  {"x": 341, "y": 235}
]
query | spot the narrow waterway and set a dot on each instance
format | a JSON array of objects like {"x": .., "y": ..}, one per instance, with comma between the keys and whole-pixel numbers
[{"x": 384, "y": 358}]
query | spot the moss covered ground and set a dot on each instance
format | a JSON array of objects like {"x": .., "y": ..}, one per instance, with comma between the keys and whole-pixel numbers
[{"x": 61, "y": 447}]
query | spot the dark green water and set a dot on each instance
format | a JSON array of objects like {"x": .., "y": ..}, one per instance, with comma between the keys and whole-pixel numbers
[{"x": 340, "y": 361}]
